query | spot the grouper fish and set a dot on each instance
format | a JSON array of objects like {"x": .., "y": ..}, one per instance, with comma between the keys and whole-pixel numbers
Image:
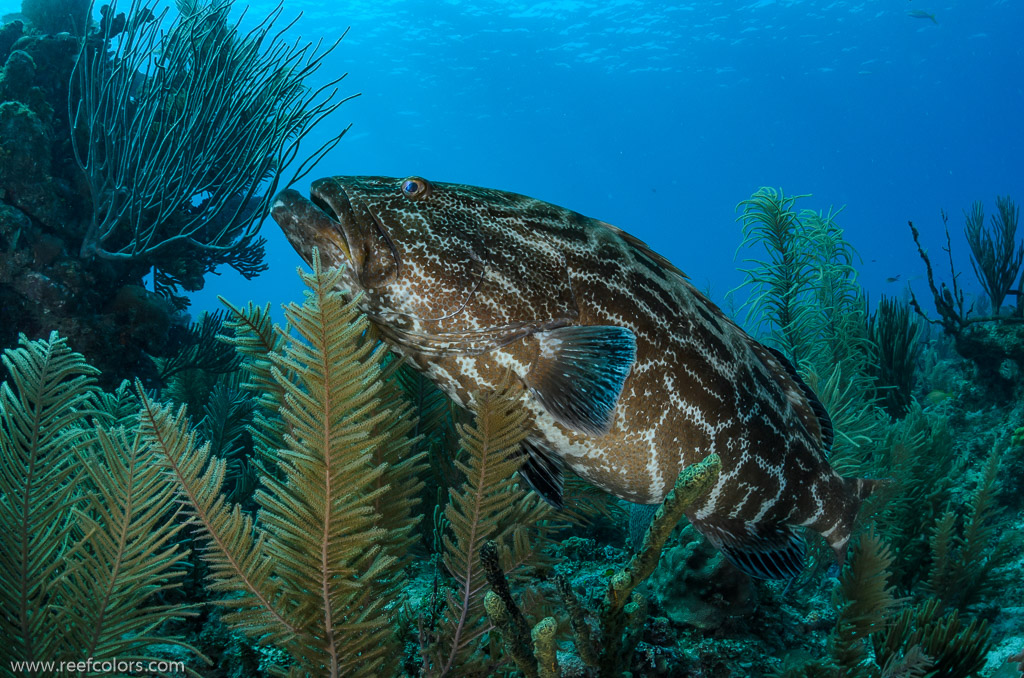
[{"x": 630, "y": 373}]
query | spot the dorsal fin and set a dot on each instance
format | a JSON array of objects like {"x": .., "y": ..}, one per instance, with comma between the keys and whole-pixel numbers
[
  {"x": 644, "y": 250},
  {"x": 828, "y": 434}
]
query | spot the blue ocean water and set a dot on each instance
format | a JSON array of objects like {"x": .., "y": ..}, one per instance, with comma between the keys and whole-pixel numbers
[{"x": 659, "y": 117}]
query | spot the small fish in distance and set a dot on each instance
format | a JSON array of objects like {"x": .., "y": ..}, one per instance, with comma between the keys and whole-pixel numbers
[{"x": 921, "y": 14}]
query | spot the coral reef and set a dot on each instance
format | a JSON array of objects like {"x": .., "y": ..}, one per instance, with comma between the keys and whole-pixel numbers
[
  {"x": 694, "y": 585},
  {"x": 876, "y": 634},
  {"x": 107, "y": 505},
  {"x": 992, "y": 342},
  {"x": 271, "y": 507},
  {"x": 172, "y": 172},
  {"x": 952, "y": 554},
  {"x": 111, "y": 158},
  {"x": 996, "y": 255},
  {"x": 894, "y": 336},
  {"x": 346, "y": 448},
  {"x": 483, "y": 510},
  {"x": 623, "y": 611},
  {"x": 803, "y": 297}
]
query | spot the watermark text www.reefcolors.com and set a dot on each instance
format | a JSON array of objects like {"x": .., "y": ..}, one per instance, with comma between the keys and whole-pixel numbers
[{"x": 99, "y": 666}]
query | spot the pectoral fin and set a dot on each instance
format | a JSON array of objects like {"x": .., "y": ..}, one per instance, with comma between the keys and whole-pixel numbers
[{"x": 579, "y": 373}]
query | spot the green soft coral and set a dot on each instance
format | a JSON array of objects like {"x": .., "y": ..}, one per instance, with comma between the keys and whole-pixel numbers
[
  {"x": 319, "y": 572},
  {"x": 87, "y": 539},
  {"x": 804, "y": 298}
]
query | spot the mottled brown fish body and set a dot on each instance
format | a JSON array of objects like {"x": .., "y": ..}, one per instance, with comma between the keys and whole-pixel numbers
[{"x": 470, "y": 283}]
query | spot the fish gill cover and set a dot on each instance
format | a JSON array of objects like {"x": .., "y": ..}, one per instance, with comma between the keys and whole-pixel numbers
[{"x": 224, "y": 496}]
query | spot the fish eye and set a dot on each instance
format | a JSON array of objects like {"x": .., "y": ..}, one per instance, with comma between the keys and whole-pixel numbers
[{"x": 416, "y": 187}]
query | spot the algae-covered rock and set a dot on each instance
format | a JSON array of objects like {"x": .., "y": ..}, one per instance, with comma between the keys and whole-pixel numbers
[
  {"x": 9, "y": 34},
  {"x": 13, "y": 226},
  {"x": 24, "y": 147},
  {"x": 57, "y": 16},
  {"x": 37, "y": 72},
  {"x": 27, "y": 180},
  {"x": 144, "y": 317},
  {"x": 997, "y": 348},
  {"x": 19, "y": 71},
  {"x": 54, "y": 55},
  {"x": 695, "y": 586},
  {"x": 24, "y": 158}
]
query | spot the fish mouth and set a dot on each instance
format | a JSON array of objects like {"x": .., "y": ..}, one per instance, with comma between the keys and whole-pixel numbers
[
  {"x": 372, "y": 250},
  {"x": 325, "y": 207},
  {"x": 312, "y": 223},
  {"x": 336, "y": 204},
  {"x": 338, "y": 220}
]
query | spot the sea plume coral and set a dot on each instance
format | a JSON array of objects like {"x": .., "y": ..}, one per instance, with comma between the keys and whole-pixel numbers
[
  {"x": 996, "y": 255},
  {"x": 88, "y": 535},
  {"x": 318, "y": 571},
  {"x": 184, "y": 131}
]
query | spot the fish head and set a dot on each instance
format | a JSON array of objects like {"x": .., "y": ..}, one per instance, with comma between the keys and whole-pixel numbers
[
  {"x": 443, "y": 267},
  {"x": 418, "y": 250}
]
